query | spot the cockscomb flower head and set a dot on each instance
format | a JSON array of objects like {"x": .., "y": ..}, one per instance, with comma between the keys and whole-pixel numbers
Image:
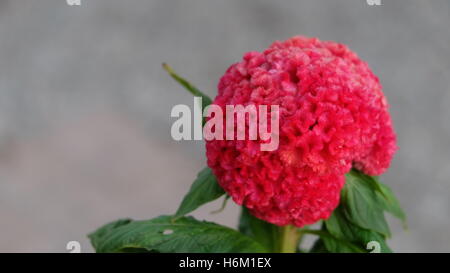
[{"x": 332, "y": 116}]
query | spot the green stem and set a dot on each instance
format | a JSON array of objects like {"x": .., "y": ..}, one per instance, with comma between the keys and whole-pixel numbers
[{"x": 289, "y": 239}]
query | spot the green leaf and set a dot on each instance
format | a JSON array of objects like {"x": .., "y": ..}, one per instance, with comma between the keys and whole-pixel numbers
[
  {"x": 164, "y": 234},
  {"x": 390, "y": 202},
  {"x": 335, "y": 245},
  {"x": 368, "y": 236},
  {"x": 99, "y": 234},
  {"x": 361, "y": 203},
  {"x": 263, "y": 232},
  {"x": 359, "y": 218},
  {"x": 190, "y": 87},
  {"x": 204, "y": 189},
  {"x": 319, "y": 247},
  {"x": 332, "y": 243},
  {"x": 340, "y": 227}
]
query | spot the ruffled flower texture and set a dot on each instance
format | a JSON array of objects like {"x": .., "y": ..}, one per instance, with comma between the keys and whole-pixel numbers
[{"x": 333, "y": 116}]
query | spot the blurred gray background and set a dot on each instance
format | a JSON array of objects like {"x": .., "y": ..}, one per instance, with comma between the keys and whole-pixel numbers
[{"x": 85, "y": 106}]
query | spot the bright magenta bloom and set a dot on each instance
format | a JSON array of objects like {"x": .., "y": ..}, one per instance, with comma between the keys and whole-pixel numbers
[{"x": 333, "y": 116}]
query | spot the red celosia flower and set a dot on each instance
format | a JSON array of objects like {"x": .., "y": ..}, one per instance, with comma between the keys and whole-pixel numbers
[{"x": 333, "y": 115}]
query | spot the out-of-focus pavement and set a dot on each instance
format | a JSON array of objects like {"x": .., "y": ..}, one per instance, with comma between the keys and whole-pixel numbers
[{"x": 85, "y": 106}]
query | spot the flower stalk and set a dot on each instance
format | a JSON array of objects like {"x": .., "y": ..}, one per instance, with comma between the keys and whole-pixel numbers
[{"x": 289, "y": 239}]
